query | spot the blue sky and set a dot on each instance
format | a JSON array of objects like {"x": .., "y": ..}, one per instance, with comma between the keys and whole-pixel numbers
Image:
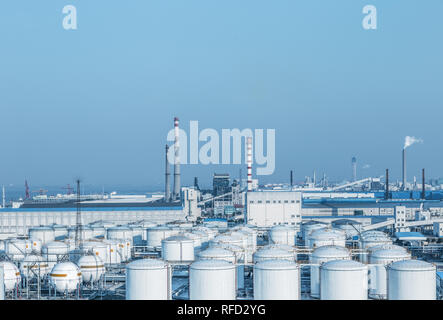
[{"x": 97, "y": 102}]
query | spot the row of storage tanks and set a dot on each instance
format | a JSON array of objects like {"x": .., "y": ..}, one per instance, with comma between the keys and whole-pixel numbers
[{"x": 383, "y": 271}]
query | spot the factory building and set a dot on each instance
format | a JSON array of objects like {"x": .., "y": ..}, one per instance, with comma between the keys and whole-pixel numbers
[{"x": 268, "y": 208}]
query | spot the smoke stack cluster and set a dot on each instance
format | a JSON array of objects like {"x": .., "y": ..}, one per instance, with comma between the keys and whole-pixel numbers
[
  {"x": 249, "y": 160},
  {"x": 176, "y": 194}
]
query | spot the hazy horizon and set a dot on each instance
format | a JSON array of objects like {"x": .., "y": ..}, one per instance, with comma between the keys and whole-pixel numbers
[{"x": 96, "y": 103}]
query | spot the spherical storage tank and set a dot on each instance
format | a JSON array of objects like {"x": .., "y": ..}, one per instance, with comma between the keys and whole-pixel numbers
[
  {"x": 343, "y": 280},
  {"x": 148, "y": 279},
  {"x": 377, "y": 271},
  {"x": 91, "y": 267},
  {"x": 178, "y": 249},
  {"x": 411, "y": 280},
  {"x": 33, "y": 266},
  {"x": 276, "y": 280},
  {"x": 273, "y": 254},
  {"x": 212, "y": 280},
  {"x": 65, "y": 277},
  {"x": 11, "y": 275},
  {"x": 322, "y": 255},
  {"x": 281, "y": 234},
  {"x": 327, "y": 237},
  {"x": 44, "y": 234}
]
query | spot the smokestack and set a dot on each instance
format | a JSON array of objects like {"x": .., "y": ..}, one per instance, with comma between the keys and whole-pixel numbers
[
  {"x": 423, "y": 186},
  {"x": 176, "y": 194},
  {"x": 249, "y": 146},
  {"x": 387, "y": 185},
  {"x": 354, "y": 169},
  {"x": 167, "y": 178},
  {"x": 403, "y": 186},
  {"x": 291, "y": 179}
]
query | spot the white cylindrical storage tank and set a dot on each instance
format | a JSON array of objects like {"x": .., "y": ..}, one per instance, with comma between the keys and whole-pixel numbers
[
  {"x": 98, "y": 231},
  {"x": 343, "y": 280},
  {"x": 178, "y": 249},
  {"x": 113, "y": 253},
  {"x": 53, "y": 251},
  {"x": 33, "y": 266},
  {"x": 148, "y": 279},
  {"x": 379, "y": 259},
  {"x": 411, "y": 280},
  {"x": 228, "y": 239},
  {"x": 285, "y": 247},
  {"x": 196, "y": 238},
  {"x": 65, "y": 277},
  {"x": 372, "y": 241},
  {"x": 211, "y": 232},
  {"x": 373, "y": 233},
  {"x": 276, "y": 280},
  {"x": 146, "y": 225},
  {"x": 2, "y": 283},
  {"x": 273, "y": 254},
  {"x": 239, "y": 253},
  {"x": 137, "y": 234},
  {"x": 212, "y": 280},
  {"x": 97, "y": 248},
  {"x": 308, "y": 227},
  {"x": 327, "y": 237},
  {"x": 155, "y": 235},
  {"x": 60, "y": 231},
  {"x": 217, "y": 253},
  {"x": 351, "y": 228},
  {"x": 204, "y": 238},
  {"x": 119, "y": 233},
  {"x": 322, "y": 255},
  {"x": 11, "y": 275},
  {"x": 92, "y": 268},
  {"x": 281, "y": 234},
  {"x": 44, "y": 234},
  {"x": 86, "y": 233},
  {"x": 17, "y": 249}
]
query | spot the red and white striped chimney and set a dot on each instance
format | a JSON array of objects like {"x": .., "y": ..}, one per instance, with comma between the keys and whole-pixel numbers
[{"x": 249, "y": 146}]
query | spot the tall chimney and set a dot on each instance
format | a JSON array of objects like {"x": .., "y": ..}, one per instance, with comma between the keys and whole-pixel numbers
[
  {"x": 176, "y": 194},
  {"x": 291, "y": 179},
  {"x": 423, "y": 186},
  {"x": 354, "y": 169},
  {"x": 249, "y": 146},
  {"x": 167, "y": 178},
  {"x": 387, "y": 185},
  {"x": 403, "y": 186}
]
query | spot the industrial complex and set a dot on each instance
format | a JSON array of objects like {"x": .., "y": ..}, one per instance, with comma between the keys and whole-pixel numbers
[{"x": 361, "y": 239}]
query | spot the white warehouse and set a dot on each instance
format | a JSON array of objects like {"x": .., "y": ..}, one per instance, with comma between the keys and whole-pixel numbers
[{"x": 268, "y": 208}]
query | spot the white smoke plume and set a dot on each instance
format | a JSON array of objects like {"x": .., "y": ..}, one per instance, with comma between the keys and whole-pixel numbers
[
  {"x": 366, "y": 166},
  {"x": 409, "y": 141}
]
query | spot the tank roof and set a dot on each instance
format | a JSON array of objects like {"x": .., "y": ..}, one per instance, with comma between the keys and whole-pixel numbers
[
  {"x": 177, "y": 238},
  {"x": 391, "y": 253},
  {"x": 412, "y": 265},
  {"x": 215, "y": 252},
  {"x": 143, "y": 264},
  {"x": 276, "y": 265},
  {"x": 343, "y": 265},
  {"x": 212, "y": 265},
  {"x": 331, "y": 251}
]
